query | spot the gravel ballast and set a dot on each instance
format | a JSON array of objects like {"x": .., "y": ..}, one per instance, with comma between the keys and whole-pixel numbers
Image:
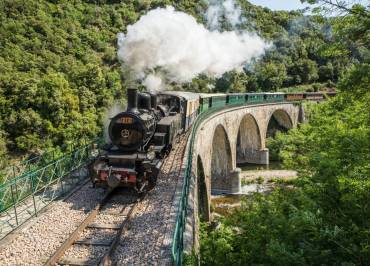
[{"x": 36, "y": 242}]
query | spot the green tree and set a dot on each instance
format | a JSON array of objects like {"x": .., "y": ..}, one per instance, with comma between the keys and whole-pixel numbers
[
  {"x": 271, "y": 76},
  {"x": 304, "y": 71},
  {"x": 326, "y": 72}
]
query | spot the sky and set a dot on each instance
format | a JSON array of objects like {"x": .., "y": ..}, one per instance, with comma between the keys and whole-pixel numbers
[{"x": 288, "y": 4}]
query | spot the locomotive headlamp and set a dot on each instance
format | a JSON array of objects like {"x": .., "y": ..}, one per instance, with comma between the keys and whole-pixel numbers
[{"x": 150, "y": 155}]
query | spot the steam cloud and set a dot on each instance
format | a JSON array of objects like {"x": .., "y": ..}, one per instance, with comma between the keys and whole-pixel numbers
[
  {"x": 170, "y": 46},
  {"x": 108, "y": 114}
]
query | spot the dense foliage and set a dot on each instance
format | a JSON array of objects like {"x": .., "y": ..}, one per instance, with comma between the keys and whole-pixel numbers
[
  {"x": 58, "y": 68},
  {"x": 325, "y": 218},
  {"x": 59, "y": 71}
]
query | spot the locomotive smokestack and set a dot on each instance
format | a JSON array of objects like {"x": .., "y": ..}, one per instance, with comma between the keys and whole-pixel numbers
[
  {"x": 153, "y": 100},
  {"x": 132, "y": 100}
]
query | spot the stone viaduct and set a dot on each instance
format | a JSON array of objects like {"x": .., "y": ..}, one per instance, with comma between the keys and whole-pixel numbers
[{"x": 225, "y": 139}]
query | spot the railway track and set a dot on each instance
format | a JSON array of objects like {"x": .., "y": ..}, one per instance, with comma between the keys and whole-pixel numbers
[
  {"x": 94, "y": 233},
  {"x": 106, "y": 238},
  {"x": 149, "y": 238}
]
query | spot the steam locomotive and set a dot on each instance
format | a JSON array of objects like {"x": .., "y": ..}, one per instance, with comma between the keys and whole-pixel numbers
[{"x": 143, "y": 134}]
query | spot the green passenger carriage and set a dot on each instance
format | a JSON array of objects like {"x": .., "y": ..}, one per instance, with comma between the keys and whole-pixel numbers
[
  {"x": 253, "y": 98},
  {"x": 235, "y": 98}
]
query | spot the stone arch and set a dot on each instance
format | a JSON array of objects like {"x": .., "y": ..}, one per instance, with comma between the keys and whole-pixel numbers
[
  {"x": 203, "y": 203},
  {"x": 249, "y": 142},
  {"x": 279, "y": 120},
  {"x": 221, "y": 159}
]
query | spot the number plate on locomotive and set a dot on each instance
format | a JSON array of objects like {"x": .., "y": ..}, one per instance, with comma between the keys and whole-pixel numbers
[{"x": 126, "y": 120}]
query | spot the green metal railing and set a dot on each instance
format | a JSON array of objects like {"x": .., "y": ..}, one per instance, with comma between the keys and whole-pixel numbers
[
  {"x": 13, "y": 171},
  {"x": 22, "y": 197}
]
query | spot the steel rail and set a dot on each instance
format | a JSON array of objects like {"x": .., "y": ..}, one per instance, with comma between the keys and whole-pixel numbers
[
  {"x": 107, "y": 259},
  {"x": 71, "y": 239},
  {"x": 53, "y": 260}
]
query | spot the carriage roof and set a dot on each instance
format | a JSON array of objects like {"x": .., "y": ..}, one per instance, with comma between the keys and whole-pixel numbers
[
  {"x": 184, "y": 94},
  {"x": 207, "y": 95}
]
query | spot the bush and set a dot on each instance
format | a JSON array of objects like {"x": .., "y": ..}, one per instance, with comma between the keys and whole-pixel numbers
[{"x": 316, "y": 87}]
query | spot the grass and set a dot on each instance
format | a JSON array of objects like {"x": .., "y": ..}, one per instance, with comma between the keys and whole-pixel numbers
[
  {"x": 260, "y": 180},
  {"x": 282, "y": 180},
  {"x": 246, "y": 182},
  {"x": 277, "y": 180}
]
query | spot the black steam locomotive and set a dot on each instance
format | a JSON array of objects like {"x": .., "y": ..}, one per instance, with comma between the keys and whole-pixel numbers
[{"x": 141, "y": 136}]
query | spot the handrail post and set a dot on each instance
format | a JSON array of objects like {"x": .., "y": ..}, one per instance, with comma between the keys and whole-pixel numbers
[
  {"x": 16, "y": 189},
  {"x": 33, "y": 195},
  {"x": 14, "y": 204},
  {"x": 60, "y": 177},
  {"x": 57, "y": 172}
]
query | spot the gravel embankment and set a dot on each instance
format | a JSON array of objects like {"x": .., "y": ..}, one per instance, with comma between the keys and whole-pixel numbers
[{"x": 37, "y": 241}]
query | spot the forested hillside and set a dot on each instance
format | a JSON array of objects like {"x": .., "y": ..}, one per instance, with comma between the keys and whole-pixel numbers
[{"x": 59, "y": 71}]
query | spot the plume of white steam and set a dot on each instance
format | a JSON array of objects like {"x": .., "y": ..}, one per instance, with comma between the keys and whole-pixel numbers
[
  {"x": 223, "y": 10},
  {"x": 170, "y": 46},
  {"x": 153, "y": 83}
]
